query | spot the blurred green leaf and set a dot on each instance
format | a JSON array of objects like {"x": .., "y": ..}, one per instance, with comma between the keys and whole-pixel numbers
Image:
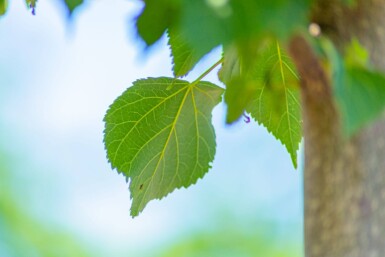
[
  {"x": 359, "y": 90},
  {"x": 231, "y": 64},
  {"x": 158, "y": 133},
  {"x": 267, "y": 89},
  {"x": 202, "y": 27},
  {"x": 156, "y": 17},
  {"x": 208, "y": 23},
  {"x": 268, "y": 17},
  {"x": 3, "y": 6},
  {"x": 361, "y": 97},
  {"x": 240, "y": 88},
  {"x": 239, "y": 94}
]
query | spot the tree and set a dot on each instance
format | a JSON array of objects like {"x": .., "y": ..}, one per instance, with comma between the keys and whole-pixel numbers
[
  {"x": 344, "y": 179},
  {"x": 158, "y": 133}
]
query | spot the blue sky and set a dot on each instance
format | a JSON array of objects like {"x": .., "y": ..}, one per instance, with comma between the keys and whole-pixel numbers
[{"x": 57, "y": 79}]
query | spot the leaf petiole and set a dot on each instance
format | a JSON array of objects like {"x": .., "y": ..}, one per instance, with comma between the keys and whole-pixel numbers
[{"x": 204, "y": 74}]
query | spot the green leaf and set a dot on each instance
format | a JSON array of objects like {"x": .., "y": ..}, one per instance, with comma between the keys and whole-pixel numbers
[
  {"x": 184, "y": 57},
  {"x": 209, "y": 23},
  {"x": 268, "y": 17},
  {"x": 361, "y": 97},
  {"x": 240, "y": 88},
  {"x": 72, "y": 5},
  {"x": 3, "y": 6},
  {"x": 240, "y": 92},
  {"x": 267, "y": 88},
  {"x": 203, "y": 27},
  {"x": 359, "y": 91},
  {"x": 276, "y": 104},
  {"x": 231, "y": 64},
  {"x": 158, "y": 133},
  {"x": 156, "y": 17}
]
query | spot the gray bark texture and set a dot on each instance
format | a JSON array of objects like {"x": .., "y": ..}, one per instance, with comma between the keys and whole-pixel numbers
[{"x": 344, "y": 179}]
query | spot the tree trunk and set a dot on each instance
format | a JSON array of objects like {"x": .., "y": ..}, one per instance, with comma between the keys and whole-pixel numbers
[{"x": 344, "y": 179}]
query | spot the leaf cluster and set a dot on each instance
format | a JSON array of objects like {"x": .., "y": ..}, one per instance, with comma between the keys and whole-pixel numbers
[{"x": 158, "y": 133}]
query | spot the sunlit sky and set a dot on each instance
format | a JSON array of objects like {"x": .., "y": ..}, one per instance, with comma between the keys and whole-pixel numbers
[{"x": 57, "y": 79}]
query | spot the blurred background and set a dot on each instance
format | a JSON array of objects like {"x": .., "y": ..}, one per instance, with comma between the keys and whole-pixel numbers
[{"x": 58, "y": 194}]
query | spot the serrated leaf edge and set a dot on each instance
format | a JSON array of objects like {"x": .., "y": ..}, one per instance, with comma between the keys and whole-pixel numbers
[{"x": 189, "y": 88}]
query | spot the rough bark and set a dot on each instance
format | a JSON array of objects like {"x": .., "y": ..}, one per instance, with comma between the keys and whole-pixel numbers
[{"x": 344, "y": 179}]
